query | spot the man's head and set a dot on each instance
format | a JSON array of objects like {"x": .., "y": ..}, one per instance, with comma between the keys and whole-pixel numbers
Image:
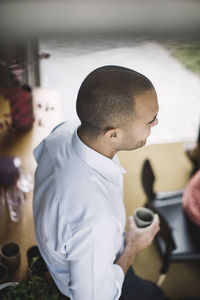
[{"x": 111, "y": 99}]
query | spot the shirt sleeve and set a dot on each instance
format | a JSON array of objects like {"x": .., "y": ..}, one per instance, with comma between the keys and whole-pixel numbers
[{"x": 91, "y": 255}]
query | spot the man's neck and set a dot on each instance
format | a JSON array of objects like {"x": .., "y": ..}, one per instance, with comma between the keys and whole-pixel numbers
[{"x": 97, "y": 144}]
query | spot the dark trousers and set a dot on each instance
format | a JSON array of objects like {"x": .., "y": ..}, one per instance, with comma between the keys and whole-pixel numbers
[{"x": 136, "y": 288}]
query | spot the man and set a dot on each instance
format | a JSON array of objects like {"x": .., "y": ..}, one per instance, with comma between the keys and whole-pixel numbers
[{"x": 78, "y": 197}]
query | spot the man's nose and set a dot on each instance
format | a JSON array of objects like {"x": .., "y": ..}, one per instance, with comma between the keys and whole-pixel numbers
[{"x": 155, "y": 122}]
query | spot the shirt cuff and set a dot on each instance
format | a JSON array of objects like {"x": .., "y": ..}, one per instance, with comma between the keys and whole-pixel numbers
[{"x": 119, "y": 276}]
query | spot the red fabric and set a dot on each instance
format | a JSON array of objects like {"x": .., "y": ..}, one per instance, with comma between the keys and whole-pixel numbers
[
  {"x": 191, "y": 199},
  {"x": 21, "y": 108}
]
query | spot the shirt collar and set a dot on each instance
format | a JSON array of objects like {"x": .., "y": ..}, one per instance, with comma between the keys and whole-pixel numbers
[{"x": 109, "y": 168}]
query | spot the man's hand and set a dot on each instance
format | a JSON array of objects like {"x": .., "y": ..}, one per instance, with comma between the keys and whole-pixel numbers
[{"x": 137, "y": 239}]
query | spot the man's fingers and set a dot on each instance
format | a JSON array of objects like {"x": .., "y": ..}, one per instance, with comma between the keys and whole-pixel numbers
[
  {"x": 156, "y": 224},
  {"x": 156, "y": 221}
]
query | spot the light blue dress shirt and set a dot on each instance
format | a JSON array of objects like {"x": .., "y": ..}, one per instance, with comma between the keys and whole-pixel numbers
[{"x": 79, "y": 215}]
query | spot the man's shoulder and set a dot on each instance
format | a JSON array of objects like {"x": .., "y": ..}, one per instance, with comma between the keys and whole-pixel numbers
[
  {"x": 62, "y": 131},
  {"x": 57, "y": 143}
]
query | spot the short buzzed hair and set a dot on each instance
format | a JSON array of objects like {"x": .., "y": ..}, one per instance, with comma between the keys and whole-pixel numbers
[{"x": 106, "y": 97}]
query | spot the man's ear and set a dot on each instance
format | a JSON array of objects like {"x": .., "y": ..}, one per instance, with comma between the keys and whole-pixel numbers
[{"x": 112, "y": 135}]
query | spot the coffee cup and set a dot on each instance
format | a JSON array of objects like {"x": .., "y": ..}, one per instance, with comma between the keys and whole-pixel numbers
[
  {"x": 143, "y": 217},
  {"x": 10, "y": 254}
]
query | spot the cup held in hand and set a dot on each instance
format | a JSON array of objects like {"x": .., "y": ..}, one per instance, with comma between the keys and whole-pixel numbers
[{"x": 143, "y": 217}]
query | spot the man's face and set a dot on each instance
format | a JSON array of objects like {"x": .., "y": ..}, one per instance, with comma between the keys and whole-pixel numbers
[{"x": 146, "y": 108}]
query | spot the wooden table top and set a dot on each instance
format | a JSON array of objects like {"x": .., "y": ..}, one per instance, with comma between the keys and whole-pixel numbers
[{"x": 47, "y": 114}]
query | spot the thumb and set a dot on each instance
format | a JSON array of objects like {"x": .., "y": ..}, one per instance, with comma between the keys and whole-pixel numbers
[{"x": 130, "y": 221}]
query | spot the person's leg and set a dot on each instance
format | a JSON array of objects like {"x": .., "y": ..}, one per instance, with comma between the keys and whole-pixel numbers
[{"x": 136, "y": 288}]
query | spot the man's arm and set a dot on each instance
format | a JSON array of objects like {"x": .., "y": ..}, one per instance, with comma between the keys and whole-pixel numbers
[
  {"x": 91, "y": 253},
  {"x": 137, "y": 239}
]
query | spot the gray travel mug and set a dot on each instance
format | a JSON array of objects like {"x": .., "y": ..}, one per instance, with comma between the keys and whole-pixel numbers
[{"x": 143, "y": 217}]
